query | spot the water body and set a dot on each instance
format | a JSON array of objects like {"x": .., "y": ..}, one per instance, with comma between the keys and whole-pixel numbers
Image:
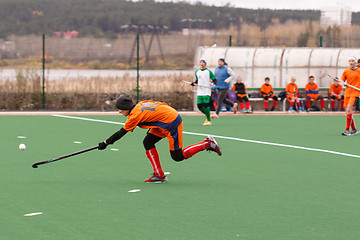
[{"x": 58, "y": 74}]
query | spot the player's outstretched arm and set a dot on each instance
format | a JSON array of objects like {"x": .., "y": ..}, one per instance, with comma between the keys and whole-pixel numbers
[
  {"x": 231, "y": 74},
  {"x": 342, "y": 81},
  {"x": 191, "y": 83},
  {"x": 113, "y": 138}
]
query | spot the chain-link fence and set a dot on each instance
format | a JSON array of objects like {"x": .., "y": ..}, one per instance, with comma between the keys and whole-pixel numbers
[{"x": 88, "y": 73}]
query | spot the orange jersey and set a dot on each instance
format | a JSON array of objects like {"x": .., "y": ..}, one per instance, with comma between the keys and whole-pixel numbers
[
  {"x": 266, "y": 89},
  {"x": 240, "y": 89},
  {"x": 335, "y": 90},
  {"x": 311, "y": 89},
  {"x": 150, "y": 114},
  {"x": 163, "y": 121},
  {"x": 352, "y": 77},
  {"x": 292, "y": 89}
]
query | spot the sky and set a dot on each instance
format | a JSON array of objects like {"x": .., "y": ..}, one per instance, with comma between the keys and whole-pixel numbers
[{"x": 278, "y": 4}]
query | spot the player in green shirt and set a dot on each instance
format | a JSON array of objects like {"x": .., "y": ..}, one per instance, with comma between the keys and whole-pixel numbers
[{"x": 203, "y": 80}]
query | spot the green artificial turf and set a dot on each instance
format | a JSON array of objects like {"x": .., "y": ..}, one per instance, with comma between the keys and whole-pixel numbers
[{"x": 254, "y": 191}]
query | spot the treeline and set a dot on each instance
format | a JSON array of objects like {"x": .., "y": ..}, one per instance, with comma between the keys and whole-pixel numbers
[{"x": 106, "y": 18}]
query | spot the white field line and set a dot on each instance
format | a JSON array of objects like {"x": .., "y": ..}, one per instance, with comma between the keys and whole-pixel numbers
[
  {"x": 88, "y": 119},
  {"x": 230, "y": 138}
]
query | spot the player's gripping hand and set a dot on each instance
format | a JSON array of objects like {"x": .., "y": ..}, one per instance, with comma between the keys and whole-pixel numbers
[{"x": 102, "y": 145}]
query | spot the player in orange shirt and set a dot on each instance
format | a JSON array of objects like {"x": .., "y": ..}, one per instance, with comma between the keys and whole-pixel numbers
[
  {"x": 312, "y": 92},
  {"x": 162, "y": 121},
  {"x": 336, "y": 93},
  {"x": 293, "y": 94},
  {"x": 268, "y": 92},
  {"x": 351, "y": 76}
]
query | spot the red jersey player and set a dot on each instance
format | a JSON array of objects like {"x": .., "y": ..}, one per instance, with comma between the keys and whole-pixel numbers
[
  {"x": 268, "y": 92},
  {"x": 162, "y": 121},
  {"x": 312, "y": 92},
  {"x": 336, "y": 92},
  {"x": 351, "y": 76}
]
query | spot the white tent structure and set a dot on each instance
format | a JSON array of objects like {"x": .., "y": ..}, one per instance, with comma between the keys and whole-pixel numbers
[{"x": 280, "y": 64}]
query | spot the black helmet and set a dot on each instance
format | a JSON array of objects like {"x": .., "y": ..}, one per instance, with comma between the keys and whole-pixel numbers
[{"x": 124, "y": 102}]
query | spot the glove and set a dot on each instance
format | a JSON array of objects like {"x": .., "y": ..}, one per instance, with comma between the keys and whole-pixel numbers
[
  {"x": 227, "y": 81},
  {"x": 102, "y": 146}
]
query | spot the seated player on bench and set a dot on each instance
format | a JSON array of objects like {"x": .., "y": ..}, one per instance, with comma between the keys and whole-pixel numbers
[
  {"x": 292, "y": 94},
  {"x": 336, "y": 92},
  {"x": 241, "y": 96},
  {"x": 268, "y": 92},
  {"x": 312, "y": 92}
]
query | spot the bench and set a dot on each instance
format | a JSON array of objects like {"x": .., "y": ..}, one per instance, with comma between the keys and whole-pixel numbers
[{"x": 283, "y": 105}]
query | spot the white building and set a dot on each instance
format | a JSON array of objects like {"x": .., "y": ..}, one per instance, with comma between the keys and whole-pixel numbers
[
  {"x": 280, "y": 64},
  {"x": 339, "y": 15}
]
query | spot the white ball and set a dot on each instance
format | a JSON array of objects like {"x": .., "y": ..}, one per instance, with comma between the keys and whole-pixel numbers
[{"x": 22, "y": 146}]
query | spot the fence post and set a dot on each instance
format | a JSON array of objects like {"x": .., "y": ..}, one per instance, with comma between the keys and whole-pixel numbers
[
  {"x": 43, "y": 72},
  {"x": 230, "y": 40},
  {"x": 321, "y": 41},
  {"x": 137, "y": 67}
]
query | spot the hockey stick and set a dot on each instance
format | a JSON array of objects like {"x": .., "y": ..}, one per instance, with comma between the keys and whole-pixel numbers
[
  {"x": 348, "y": 85},
  {"x": 195, "y": 85},
  {"x": 35, "y": 165}
]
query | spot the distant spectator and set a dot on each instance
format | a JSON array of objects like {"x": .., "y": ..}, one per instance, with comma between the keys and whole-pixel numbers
[
  {"x": 268, "y": 92},
  {"x": 292, "y": 94},
  {"x": 336, "y": 92},
  {"x": 312, "y": 92},
  {"x": 224, "y": 75},
  {"x": 241, "y": 96}
]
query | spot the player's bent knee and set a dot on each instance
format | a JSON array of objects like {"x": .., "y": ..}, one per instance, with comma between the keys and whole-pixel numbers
[
  {"x": 275, "y": 98},
  {"x": 150, "y": 140},
  {"x": 148, "y": 144},
  {"x": 320, "y": 97},
  {"x": 177, "y": 155},
  {"x": 308, "y": 97}
]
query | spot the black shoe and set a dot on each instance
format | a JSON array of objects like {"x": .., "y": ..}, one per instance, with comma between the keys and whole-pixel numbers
[
  {"x": 266, "y": 110},
  {"x": 333, "y": 110},
  {"x": 272, "y": 109}
]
